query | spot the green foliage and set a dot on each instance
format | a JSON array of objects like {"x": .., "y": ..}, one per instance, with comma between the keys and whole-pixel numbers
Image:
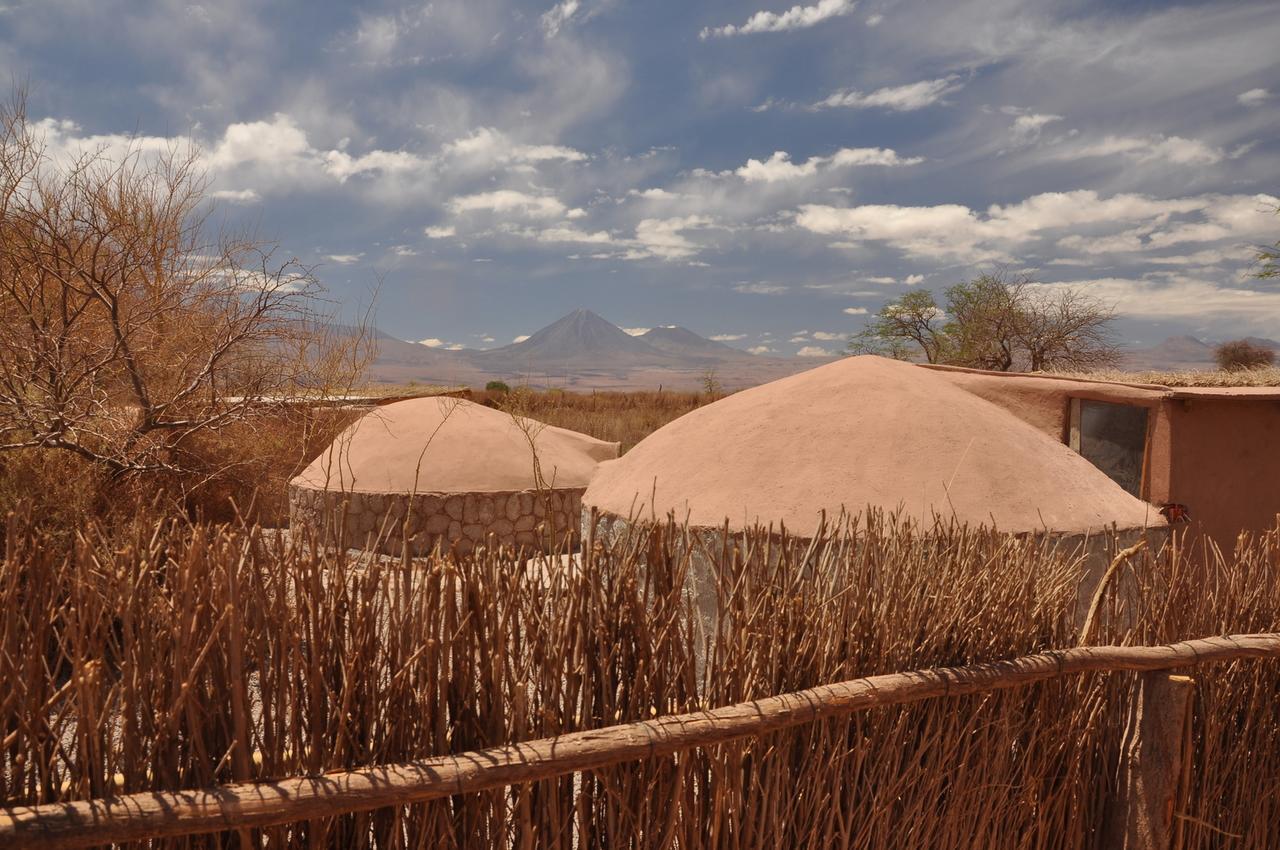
[
  {"x": 913, "y": 322},
  {"x": 994, "y": 322},
  {"x": 497, "y": 387}
]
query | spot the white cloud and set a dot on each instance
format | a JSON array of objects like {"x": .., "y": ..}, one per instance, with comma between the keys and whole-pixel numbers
[
  {"x": 439, "y": 231},
  {"x": 827, "y": 336},
  {"x": 1253, "y": 97},
  {"x": 797, "y": 17},
  {"x": 1163, "y": 297},
  {"x": 760, "y": 349},
  {"x": 637, "y": 331},
  {"x": 813, "y": 351},
  {"x": 431, "y": 342},
  {"x": 509, "y": 201},
  {"x": 558, "y": 15},
  {"x": 520, "y": 338},
  {"x": 780, "y": 167},
  {"x": 913, "y": 279},
  {"x": 344, "y": 259},
  {"x": 760, "y": 288},
  {"x": 266, "y": 154},
  {"x": 1027, "y": 126},
  {"x": 905, "y": 98},
  {"x": 236, "y": 196},
  {"x": 664, "y": 238},
  {"x": 654, "y": 194},
  {"x": 561, "y": 233},
  {"x": 487, "y": 145},
  {"x": 728, "y": 337},
  {"x": 279, "y": 149},
  {"x": 855, "y": 311},
  {"x": 874, "y": 20},
  {"x": 404, "y": 251},
  {"x": 1174, "y": 149},
  {"x": 956, "y": 232},
  {"x": 342, "y": 166}
]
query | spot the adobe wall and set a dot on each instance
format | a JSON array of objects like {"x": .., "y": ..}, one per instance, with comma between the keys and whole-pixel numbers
[
  {"x": 457, "y": 521},
  {"x": 1045, "y": 403},
  {"x": 1225, "y": 465}
]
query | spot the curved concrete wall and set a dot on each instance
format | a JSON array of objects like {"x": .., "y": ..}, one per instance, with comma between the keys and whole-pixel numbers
[{"x": 460, "y": 522}]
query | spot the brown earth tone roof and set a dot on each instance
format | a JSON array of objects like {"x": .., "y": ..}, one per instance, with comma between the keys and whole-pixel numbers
[
  {"x": 859, "y": 432},
  {"x": 450, "y": 445}
]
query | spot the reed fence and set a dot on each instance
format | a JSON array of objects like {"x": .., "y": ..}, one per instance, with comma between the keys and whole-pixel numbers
[
  {"x": 234, "y": 807},
  {"x": 163, "y": 659}
]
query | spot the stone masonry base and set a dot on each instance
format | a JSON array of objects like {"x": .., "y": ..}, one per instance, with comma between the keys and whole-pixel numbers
[{"x": 541, "y": 521}]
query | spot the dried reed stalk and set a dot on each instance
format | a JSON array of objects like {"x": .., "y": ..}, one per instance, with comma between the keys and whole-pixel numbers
[{"x": 119, "y": 674}]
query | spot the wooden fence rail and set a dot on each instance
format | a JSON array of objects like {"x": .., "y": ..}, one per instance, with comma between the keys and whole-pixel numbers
[{"x": 247, "y": 805}]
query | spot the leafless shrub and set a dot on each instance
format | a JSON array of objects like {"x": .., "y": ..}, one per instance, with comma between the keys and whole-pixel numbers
[{"x": 1242, "y": 355}]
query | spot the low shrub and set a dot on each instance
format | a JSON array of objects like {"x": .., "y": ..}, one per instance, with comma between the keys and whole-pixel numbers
[{"x": 1240, "y": 355}]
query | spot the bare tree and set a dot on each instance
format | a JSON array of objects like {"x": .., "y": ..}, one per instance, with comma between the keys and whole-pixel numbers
[
  {"x": 127, "y": 332},
  {"x": 1062, "y": 328}
]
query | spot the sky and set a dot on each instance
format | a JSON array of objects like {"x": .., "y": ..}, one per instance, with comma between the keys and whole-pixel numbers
[{"x": 765, "y": 174}]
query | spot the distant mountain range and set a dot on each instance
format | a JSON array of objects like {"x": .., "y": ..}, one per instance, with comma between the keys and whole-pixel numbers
[
  {"x": 584, "y": 351},
  {"x": 1181, "y": 354}
]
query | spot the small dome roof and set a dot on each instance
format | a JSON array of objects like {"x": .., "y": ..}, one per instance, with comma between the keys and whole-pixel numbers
[
  {"x": 450, "y": 445},
  {"x": 862, "y": 431}
]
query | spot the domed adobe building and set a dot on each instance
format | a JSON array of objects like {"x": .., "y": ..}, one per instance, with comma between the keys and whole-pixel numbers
[
  {"x": 859, "y": 433},
  {"x": 863, "y": 432},
  {"x": 447, "y": 472}
]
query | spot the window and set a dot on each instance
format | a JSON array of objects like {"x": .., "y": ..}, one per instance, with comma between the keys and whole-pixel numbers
[{"x": 1113, "y": 437}]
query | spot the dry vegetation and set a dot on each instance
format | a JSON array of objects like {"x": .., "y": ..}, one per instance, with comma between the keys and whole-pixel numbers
[
  {"x": 1267, "y": 377},
  {"x": 625, "y": 418},
  {"x": 167, "y": 655},
  {"x": 144, "y": 351}
]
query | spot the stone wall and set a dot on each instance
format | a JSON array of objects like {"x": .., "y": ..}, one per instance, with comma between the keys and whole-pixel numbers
[{"x": 454, "y": 521}]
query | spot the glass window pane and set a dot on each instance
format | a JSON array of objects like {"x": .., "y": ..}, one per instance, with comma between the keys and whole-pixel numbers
[{"x": 1114, "y": 438}]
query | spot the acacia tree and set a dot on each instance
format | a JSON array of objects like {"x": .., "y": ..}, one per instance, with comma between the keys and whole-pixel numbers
[
  {"x": 912, "y": 324},
  {"x": 995, "y": 321},
  {"x": 127, "y": 332}
]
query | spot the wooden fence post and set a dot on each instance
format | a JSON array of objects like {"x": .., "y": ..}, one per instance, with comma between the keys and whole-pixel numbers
[{"x": 1140, "y": 815}]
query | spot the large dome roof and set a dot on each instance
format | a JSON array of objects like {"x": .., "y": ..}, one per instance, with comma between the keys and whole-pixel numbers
[
  {"x": 449, "y": 445},
  {"x": 859, "y": 432}
]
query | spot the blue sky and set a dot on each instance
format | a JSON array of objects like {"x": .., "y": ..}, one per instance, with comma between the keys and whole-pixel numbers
[{"x": 759, "y": 172}]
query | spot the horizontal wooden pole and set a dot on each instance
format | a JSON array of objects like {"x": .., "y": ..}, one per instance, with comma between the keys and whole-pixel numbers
[{"x": 243, "y": 805}]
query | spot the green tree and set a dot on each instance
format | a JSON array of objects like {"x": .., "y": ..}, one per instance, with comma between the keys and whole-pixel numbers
[
  {"x": 912, "y": 324},
  {"x": 995, "y": 321}
]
